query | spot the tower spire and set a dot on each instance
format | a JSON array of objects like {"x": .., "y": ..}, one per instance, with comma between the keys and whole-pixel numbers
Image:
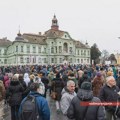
[
  {"x": 54, "y": 25},
  {"x": 19, "y": 34}
]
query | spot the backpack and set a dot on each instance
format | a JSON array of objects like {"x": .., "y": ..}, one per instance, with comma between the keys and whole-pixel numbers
[{"x": 29, "y": 109}]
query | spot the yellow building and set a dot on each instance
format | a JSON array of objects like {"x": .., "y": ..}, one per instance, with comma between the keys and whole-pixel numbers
[{"x": 117, "y": 56}]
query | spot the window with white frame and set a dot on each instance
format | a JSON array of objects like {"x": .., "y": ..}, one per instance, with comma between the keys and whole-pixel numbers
[
  {"x": 44, "y": 50},
  {"x": 88, "y": 61},
  {"x": 39, "y": 49},
  {"x": 39, "y": 60},
  {"x": 81, "y": 60},
  {"x": 52, "y": 60},
  {"x": 55, "y": 60},
  {"x": 21, "y": 48},
  {"x": 78, "y": 52},
  {"x": 61, "y": 60},
  {"x": 88, "y": 52},
  {"x": 5, "y": 61},
  {"x": 70, "y": 49},
  {"x": 34, "y": 59},
  {"x": 71, "y": 60},
  {"x": 45, "y": 60},
  {"x": 16, "y": 48},
  {"x": 85, "y": 52},
  {"x": 81, "y": 52},
  {"x": 52, "y": 50},
  {"x": 34, "y": 49},
  {"x": 60, "y": 49},
  {"x": 28, "y": 49},
  {"x": 28, "y": 60},
  {"x": 21, "y": 59}
]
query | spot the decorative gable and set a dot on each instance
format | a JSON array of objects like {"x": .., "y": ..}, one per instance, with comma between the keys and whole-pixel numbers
[{"x": 66, "y": 36}]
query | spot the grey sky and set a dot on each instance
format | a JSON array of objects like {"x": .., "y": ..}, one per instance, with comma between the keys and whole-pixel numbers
[{"x": 97, "y": 21}]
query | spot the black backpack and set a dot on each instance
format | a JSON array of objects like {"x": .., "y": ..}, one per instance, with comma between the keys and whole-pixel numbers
[{"x": 29, "y": 109}]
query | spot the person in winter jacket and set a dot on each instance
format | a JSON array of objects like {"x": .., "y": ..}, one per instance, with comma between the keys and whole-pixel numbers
[
  {"x": 2, "y": 91},
  {"x": 2, "y": 95},
  {"x": 78, "y": 111},
  {"x": 67, "y": 95},
  {"x": 14, "y": 96},
  {"x": 21, "y": 80},
  {"x": 57, "y": 86},
  {"x": 84, "y": 78},
  {"x": 44, "y": 80},
  {"x": 118, "y": 80},
  {"x": 50, "y": 78},
  {"x": 97, "y": 84},
  {"x": 26, "y": 78},
  {"x": 42, "y": 104},
  {"x": 109, "y": 93},
  {"x": 6, "y": 81}
]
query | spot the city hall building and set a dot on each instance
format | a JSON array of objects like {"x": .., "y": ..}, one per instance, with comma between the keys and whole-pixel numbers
[{"x": 53, "y": 47}]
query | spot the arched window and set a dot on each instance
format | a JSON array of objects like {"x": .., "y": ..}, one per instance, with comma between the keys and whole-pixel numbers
[
  {"x": 65, "y": 47},
  {"x": 52, "y": 50}
]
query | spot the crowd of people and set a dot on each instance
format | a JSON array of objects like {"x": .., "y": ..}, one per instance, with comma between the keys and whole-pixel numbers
[{"x": 74, "y": 87}]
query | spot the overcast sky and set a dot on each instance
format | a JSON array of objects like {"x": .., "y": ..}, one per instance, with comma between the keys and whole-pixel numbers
[{"x": 97, "y": 21}]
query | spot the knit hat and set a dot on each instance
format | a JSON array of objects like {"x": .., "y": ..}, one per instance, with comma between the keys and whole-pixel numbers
[
  {"x": 86, "y": 86},
  {"x": 98, "y": 74}
]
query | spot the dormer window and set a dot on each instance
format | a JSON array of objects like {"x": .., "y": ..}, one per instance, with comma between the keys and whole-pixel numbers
[{"x": 16, "y": 48}]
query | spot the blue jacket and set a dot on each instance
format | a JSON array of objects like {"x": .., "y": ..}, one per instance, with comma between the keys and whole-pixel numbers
[{"x": 43, "y": 108}]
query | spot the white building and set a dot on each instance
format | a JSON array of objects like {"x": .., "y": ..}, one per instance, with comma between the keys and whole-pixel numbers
[{"x": 52, "y": 47}]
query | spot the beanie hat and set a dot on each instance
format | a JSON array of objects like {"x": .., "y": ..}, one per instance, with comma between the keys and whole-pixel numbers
[
  {"x": 98, "y": 74},
  {"x": 86, "y": 86}
]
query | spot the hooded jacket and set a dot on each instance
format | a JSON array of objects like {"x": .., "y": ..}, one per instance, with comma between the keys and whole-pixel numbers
[
  {"x": 43, "y": 108},
  {"x": 78, "y": 112},
  {"x": 14, "y": 93}
]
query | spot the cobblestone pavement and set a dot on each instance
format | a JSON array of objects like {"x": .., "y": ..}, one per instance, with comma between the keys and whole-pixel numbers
[{"x": 54, "y": 115}]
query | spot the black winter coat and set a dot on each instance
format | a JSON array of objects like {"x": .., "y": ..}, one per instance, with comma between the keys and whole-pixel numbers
[
  {"x": 84, "y": 78},
  {"x": 109, "y": 94},
  {"x": 57, "y": 86},
  {"x": 14, "y": 93},
  {"x": 80, "y": 112},
  {"x": 45, "y": 81}
]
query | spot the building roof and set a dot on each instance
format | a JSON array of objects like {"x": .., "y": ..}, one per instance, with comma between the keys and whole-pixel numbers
[
  {"x": 79, "y": 44},
  {"x": 54, "y": 33},
  {"x": 34, "y": 38},
  {"x": 4, "y": 42}
]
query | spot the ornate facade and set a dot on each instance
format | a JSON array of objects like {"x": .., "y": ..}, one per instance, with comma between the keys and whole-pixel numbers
[{"x": 52, "y": 47}]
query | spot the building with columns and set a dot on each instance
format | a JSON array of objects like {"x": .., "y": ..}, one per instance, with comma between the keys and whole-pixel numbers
[{"x": 53, "y": 47}]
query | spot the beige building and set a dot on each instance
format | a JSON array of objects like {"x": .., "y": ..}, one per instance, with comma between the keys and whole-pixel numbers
[
  {"x": 117, "y": 56},
  {"x": 53, "y": 47}
]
